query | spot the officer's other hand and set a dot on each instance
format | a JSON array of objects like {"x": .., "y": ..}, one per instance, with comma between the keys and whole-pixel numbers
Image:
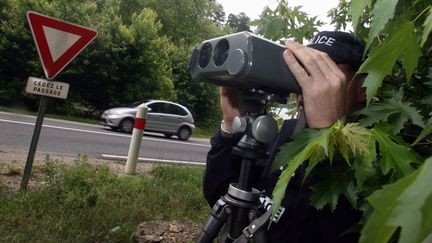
[{"x": 230, "y": 105}]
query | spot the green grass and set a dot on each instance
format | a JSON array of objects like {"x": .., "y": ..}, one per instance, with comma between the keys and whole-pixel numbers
[
  {"x": 10, "y": 169},
  {"x": 204, "y": 132},
  {"x": 83, "y": 203}
]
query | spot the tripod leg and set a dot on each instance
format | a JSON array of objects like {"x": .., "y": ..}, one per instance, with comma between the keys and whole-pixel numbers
[
  {"x": 217, "y": 219},
  {"x": 261, "y": 236},
  {"x": 238, "y": 222},
  {"x": 256, "y": 229}
]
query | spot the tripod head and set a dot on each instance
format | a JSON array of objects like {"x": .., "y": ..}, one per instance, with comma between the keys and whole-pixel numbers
[{"x": 259, "y": 129}]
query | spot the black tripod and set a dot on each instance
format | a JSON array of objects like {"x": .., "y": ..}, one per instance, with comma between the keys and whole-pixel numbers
[{"x": 240, "y": 207}]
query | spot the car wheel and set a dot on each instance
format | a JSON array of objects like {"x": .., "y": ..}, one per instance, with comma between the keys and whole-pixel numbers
[
  {"x": 127, "y": 125},
  {"x": 168, "y": 135},
  {"x": 184, "y": 133}
]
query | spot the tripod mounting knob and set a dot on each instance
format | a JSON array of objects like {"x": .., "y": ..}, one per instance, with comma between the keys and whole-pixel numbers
[
  {"x": 239, "y": 124},
  {"x": 264, "y": 129}
]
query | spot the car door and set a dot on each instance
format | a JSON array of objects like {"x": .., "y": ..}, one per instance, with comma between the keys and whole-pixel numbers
[
  {"x": 156, "y": 116},
  {"x": 175, "y": 116}
]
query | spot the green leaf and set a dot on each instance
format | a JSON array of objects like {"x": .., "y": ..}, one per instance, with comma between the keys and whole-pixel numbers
[
  {"x": 315, "y": 142},
  {"x": 291, "y": 149},
  {"x": 356, "y": 10},
  {"x": 328, "y": 190},
  {"x": 426, "y": 131},
  {"x": 363, "y": 145},
  {"x": 279, "y": 191},
  {"x": 359, "y": 140},
  {"x": 427, "y": 27},
  {"x": 272, "y": 30},
  {"x": 338, "y": 142},
  {"x": 286, "y": 22},
  {"x": 392, "y": 110},
  {"x": 314, "y": 145},
  {"x": 426, "y": 226},
  {"x": 406, "y": 204},
  {"x": 381, "y": 60},
  {"x": 382, "y": 12},
  {"x": 394, "y": 155},
  {"x": 362, "y": 170},
  {"x": 314, "y": 161},
  {"x": 410, "y": 56}
]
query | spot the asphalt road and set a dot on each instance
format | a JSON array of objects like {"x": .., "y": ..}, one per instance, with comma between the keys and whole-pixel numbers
[{"x": 95, "y": 141}]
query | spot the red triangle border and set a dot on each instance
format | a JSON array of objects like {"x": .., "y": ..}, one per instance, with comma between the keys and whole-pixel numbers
[{"x": 51, "y": 68}]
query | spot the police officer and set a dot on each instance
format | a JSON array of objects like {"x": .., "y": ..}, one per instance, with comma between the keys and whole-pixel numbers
[{"x": 325, "y": 69}]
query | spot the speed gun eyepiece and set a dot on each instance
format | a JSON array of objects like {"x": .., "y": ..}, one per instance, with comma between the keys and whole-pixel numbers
[{"x": 244, "y": 61}]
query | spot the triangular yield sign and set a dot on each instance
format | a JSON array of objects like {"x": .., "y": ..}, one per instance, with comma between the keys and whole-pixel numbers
[{"x": 57, "y": 41}]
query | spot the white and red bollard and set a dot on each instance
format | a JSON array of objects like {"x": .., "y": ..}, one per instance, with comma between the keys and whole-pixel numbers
[{"x": 140, "y": 120}]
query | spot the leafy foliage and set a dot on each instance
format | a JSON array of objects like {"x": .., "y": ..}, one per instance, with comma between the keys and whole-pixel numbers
[
  {"x": 358, "y": 14},
  {"x": 239, "y": 22},
  {"x": 383, "y": 161},
  {"x": 357, "y": 146},
  {"x": 405, "y": 204},
  {"x": 392, "y": 110},
  {"x": 426, "y": 132},
  {"x": 427, "y": 27},
  {"x": 315, "y": 145},
  {"x": 329, "y": 190},
  {"x": 381, "y": 60},
  {"x": 356, "y": 10},
  {"x": 286, "y": 22},
  {"x": 308, "y": 145},
  {"x": 394, "y": 156},
  {"x": 382, "y": 12}
]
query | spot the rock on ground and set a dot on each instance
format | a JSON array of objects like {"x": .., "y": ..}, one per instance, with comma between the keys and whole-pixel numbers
[{"x": 166, "y": 232}]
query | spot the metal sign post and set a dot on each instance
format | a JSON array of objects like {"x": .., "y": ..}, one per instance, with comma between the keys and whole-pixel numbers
[{"x": 34, "y": 142}]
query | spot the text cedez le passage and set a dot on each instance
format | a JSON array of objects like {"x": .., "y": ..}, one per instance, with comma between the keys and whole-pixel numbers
[{"x": 47, "y": 87}]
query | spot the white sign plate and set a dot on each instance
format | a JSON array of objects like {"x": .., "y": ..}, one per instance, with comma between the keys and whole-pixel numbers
[{"x": 47, "y": 88}]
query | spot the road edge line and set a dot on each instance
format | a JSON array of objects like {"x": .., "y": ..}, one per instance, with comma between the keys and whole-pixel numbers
[{"x": 152, "y": 160}]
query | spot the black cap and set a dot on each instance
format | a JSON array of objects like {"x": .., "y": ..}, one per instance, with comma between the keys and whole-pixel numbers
[{"x": 342, "y": 47}]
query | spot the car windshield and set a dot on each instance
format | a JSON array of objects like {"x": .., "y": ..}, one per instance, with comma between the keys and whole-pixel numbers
[{"x": 137, "y": 103}]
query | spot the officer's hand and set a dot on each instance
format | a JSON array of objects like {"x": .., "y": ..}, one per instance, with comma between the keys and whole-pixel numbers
[{"x": 323, "y": 84}]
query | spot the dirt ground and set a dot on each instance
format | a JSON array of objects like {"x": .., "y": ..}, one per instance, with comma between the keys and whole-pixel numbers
[{"x": 12, "y": 166}]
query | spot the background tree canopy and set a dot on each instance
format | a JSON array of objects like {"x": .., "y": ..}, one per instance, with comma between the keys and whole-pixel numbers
[{"x": 141, "y": 52}]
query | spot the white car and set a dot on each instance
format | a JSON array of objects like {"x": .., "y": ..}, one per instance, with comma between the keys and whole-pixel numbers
[{"x": 163, "y": 116}]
